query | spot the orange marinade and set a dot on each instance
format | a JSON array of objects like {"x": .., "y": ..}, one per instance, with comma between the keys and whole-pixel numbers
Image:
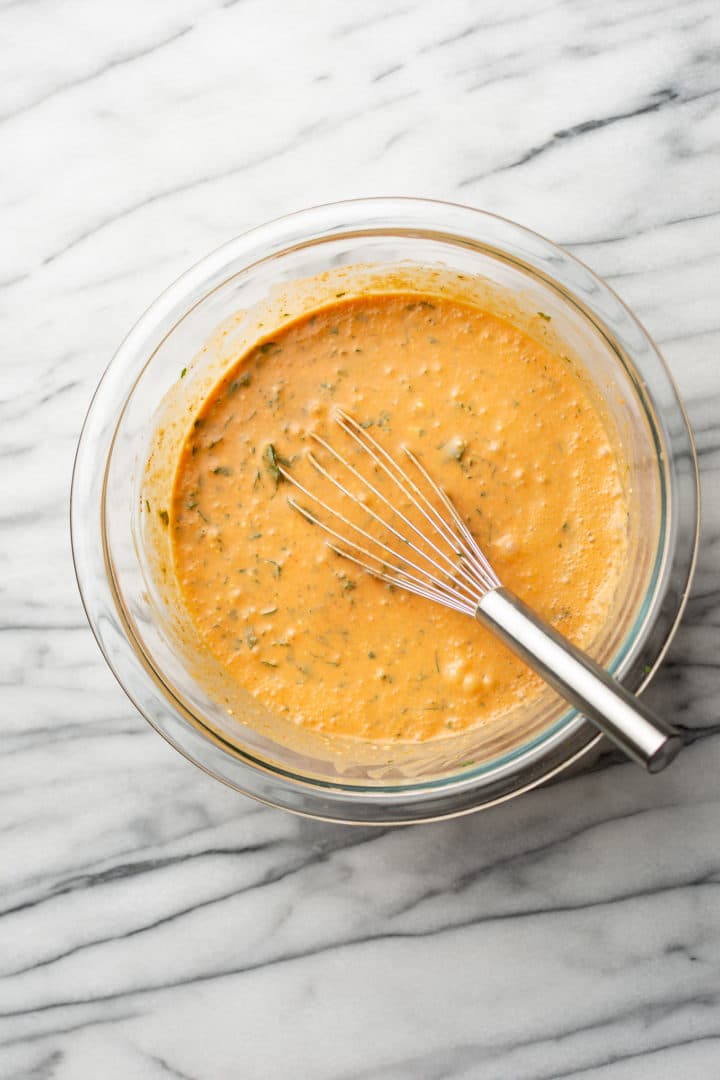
[{"x": 504, "y": 424}]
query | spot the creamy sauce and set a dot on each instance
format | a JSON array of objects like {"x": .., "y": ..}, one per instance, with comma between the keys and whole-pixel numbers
[{"x": 508, "y": 428}]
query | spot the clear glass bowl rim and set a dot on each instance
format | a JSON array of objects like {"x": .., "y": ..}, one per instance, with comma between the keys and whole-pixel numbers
[{"x": 573, "y": 737}]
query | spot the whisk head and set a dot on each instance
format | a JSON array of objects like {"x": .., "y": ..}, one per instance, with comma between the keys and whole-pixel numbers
[{"x": 404, "y": 528}]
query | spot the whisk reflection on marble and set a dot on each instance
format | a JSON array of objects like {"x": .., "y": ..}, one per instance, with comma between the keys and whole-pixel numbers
[{"x": 412, "y": 536}]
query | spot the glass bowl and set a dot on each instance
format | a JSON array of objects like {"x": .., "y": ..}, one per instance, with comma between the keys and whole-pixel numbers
[{"x": 122, "y": 569}]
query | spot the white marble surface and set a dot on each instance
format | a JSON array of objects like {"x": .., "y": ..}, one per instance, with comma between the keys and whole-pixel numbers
[{"x": 155, "y": 924}]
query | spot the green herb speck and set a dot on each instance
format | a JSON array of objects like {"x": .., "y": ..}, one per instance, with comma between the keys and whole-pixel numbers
[
  {"x": 274, "y": 460},
  {"x": 242, "y": 380}
]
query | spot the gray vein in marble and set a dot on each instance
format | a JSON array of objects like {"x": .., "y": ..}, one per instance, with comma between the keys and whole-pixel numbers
[
  {"x": 661, "y": 99},
  {"x": 209, "y": 178},
  {"x": 111, "y": 65}
]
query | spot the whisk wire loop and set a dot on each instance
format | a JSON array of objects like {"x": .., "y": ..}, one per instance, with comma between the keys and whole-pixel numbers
[
  {"x": 343, "y": 539},
  {"x": 452, "y": 565},
  {"x": 464, "y": 552},
  {"x": 396, "y": 474},
  {"x": 470, "y": 550},
  {"x": 372, "y": 513},
  {"x": 447, "y": 566}
]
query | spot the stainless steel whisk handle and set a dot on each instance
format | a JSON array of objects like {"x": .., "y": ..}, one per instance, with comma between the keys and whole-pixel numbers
[{"x": 618, "y": 713}]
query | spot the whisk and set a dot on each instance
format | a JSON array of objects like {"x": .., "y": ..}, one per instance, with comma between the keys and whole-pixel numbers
[{"x": 436, "y": 556}]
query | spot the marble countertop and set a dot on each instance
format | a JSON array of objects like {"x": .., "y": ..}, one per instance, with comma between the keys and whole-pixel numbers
[{"x": 155, "y": 924}]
